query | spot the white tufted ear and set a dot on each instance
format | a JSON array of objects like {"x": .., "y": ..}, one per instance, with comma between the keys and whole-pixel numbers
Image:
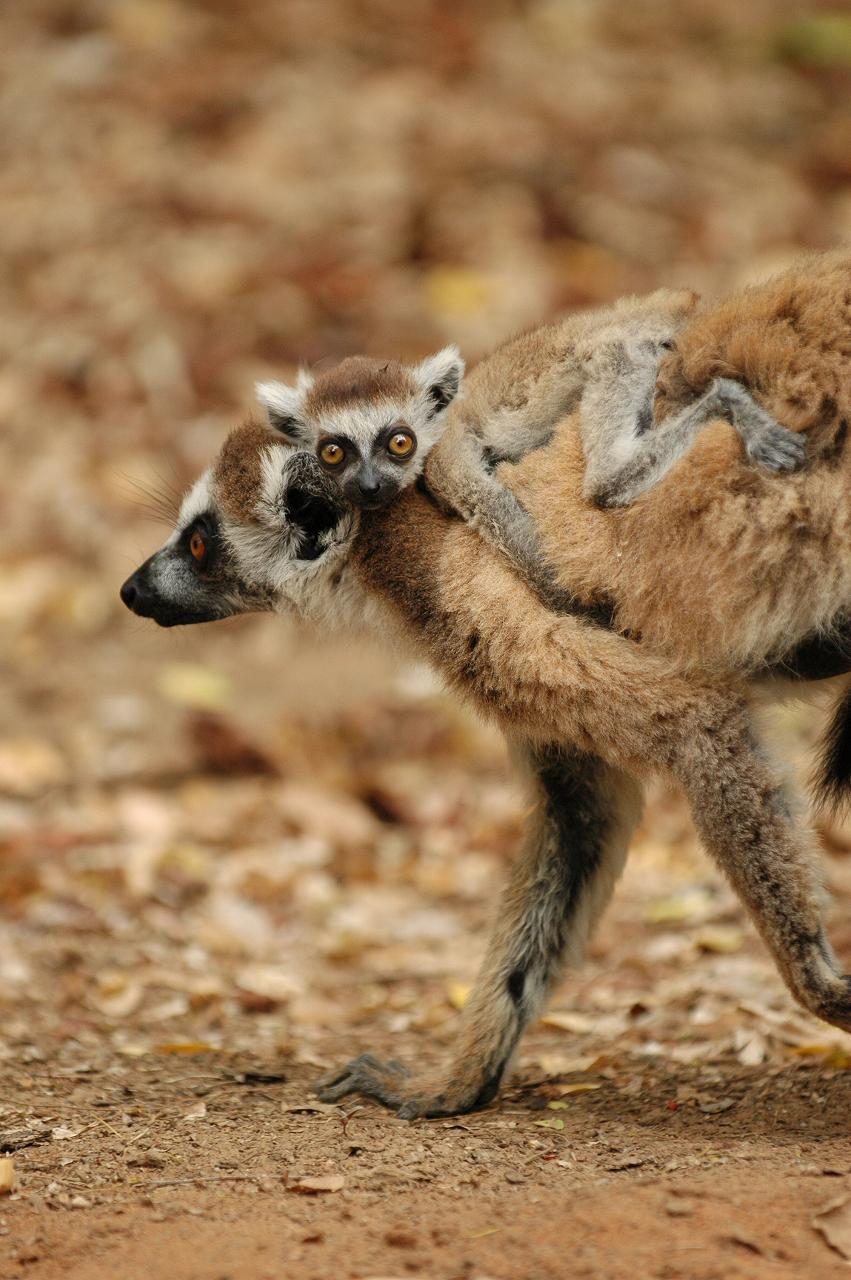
[
  {"x": 440, "y": 377},
  {"x": 283, "y": 406}
]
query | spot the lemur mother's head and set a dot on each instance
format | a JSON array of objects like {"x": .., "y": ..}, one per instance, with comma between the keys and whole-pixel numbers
[{"x": 252, "y": 535}]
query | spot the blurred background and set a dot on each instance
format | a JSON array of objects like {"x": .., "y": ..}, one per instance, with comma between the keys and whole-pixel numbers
[{"x": 245, "y": 830}]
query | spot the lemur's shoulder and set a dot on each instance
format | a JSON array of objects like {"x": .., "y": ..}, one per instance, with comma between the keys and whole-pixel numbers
[{"x": 527, "y": 371}]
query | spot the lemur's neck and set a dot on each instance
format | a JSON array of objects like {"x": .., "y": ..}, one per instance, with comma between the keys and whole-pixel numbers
[{"x": 395, "y": 558}]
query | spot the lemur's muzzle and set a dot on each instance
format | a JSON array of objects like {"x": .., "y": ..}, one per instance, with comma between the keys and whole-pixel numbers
[{"x": 187, "y": 602}]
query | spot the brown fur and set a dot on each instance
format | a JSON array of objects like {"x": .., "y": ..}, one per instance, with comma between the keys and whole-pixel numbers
[
  {"x": 358, "y": 378},
  {"x": 560, "y": 680},
  {"x": 713, "y": 571},
  {"x": 716, "y": 570},
  {"x": 788, "y": 340},
  {"x": 237, "y": 471},
  {"x": 723, "y": 565}
]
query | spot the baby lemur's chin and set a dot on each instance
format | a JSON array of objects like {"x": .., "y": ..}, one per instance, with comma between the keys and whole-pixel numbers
[{"x": 370, "y": 423}]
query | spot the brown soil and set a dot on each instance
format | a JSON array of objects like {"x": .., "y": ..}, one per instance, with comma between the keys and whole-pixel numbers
[{"x": 628, "y": 1188}]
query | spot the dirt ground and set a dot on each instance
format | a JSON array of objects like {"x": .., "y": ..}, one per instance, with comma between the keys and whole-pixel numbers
[
  {"x": 234, "y": 856},
  {"x": 174, "y": 987}
]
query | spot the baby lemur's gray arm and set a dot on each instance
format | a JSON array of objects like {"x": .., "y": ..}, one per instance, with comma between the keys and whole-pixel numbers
[
  {"x": 625, "y": 455},
  {"x": 472, "y": 490}
]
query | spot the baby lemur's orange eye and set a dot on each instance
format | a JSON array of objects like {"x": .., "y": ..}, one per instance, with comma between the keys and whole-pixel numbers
[
  {"x": 400, "y": 444},
  {"x": 196, "y": 545},
  {"x": 332, "y": 454}
]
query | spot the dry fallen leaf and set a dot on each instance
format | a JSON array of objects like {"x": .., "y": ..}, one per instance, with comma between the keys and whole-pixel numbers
[
  {"x": 117, "y": 995},
  {"x": 28, "y": 765},
  {"x": 720, "y": 939},
  {"x": 685, "y": 906},
  {"x": 196, "y": 1112},
  {"x": 177, "y": 1046},
  {"x": 7, "y": 1174},
  {"x": 575, "y": 1022},
  {"x": 565, "y": 1089},
  {"x": 321, "y": 1108},
  {"x": 456, "y": 291},
  {"x": 271, "y": 981},
  {"x": 333, "y": 1182},
  {"x": 457, "y": 992},
  {"x": 833, "y": 1220},
  {"x": 189, "y": 684},
  {"x": 739, "y": 1236}
]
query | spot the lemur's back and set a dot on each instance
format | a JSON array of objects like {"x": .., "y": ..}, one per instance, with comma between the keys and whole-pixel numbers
[
  {"x": 721, "y": 562},
  {"x": 515, "y": 397},
  {"x": 788, "y": 340}
]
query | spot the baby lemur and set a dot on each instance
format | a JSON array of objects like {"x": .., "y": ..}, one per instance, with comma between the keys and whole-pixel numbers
[
  {"x": 372, "y": 423},
  {"x": 725, "y": 571}
]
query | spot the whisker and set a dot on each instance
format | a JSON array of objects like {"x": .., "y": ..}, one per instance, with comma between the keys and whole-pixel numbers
[{"x": 161, "y": 504}]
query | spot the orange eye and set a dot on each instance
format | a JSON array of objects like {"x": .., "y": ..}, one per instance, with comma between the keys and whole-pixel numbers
[
  {"x": 401, "y": 444},
  {"x": 332, "y": 454},
  {"x": 196, "y": 545}
]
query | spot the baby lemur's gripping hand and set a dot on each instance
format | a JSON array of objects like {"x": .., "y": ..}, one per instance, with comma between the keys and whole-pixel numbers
[{"x": 370, "y": 423}]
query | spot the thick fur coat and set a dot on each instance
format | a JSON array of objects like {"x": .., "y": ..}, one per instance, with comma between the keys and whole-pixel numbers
[{"x": 712, "y": 576}]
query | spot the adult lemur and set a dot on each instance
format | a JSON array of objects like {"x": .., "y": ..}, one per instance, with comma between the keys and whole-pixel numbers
[{"x": 719, "y": 573}]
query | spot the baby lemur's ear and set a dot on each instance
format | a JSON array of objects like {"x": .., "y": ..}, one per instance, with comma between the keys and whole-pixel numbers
[
  {"x": 440, "y": 377},
  {"x": 284, "y": 406}
]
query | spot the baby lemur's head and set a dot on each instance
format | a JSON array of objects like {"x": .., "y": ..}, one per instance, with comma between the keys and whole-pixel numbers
[{"x": 370, "y": 422}]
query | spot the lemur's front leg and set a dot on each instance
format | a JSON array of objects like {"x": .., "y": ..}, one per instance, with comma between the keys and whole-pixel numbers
[
  {"x": 625, "y": 455},
  {"x": 743, "y": 817},
  {"x": 574, "y": 853}
]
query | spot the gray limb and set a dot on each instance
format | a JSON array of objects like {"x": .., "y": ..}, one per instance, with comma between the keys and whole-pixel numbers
[
  {"x": 574, "y": 853},
  {"x": 625, "y": 455},
  {"x": 490, "y": 508}
]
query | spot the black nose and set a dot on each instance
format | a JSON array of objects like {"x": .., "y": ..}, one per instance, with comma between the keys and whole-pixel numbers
[
  {"x": 136, "y": 594},
  {"x": 370, "y": 490}
]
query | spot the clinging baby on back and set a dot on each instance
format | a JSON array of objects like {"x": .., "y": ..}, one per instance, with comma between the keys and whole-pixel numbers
[{"x": 371, "y": 423}]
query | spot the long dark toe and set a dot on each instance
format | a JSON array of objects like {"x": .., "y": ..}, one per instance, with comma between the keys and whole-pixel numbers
[
  {"x": 836, "y": 1008},
  {"x": 365, "y": 1075}
]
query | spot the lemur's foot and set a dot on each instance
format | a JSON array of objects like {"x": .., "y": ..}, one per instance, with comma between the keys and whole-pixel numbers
[
  {"x": 409, "y": 1096},
  {"x": 777, "y": 448},
  {"x": 835, "y": 1007}
]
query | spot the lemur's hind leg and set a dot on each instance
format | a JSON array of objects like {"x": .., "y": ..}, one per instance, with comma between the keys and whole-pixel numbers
[
  {"x": 625, "y": 455},
  {"x": 742, "y": 815},
  {"x": 563, "y": 878}
]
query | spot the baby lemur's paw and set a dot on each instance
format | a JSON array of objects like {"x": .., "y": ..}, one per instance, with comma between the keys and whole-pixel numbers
[
  {"x": 776, "y": 448},
  {"x": 409, "y": 1096},
  {"x": 765, "y": 441}
]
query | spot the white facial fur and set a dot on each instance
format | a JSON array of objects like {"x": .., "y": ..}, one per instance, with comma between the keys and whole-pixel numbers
[{"x": 363, "y": 415}]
